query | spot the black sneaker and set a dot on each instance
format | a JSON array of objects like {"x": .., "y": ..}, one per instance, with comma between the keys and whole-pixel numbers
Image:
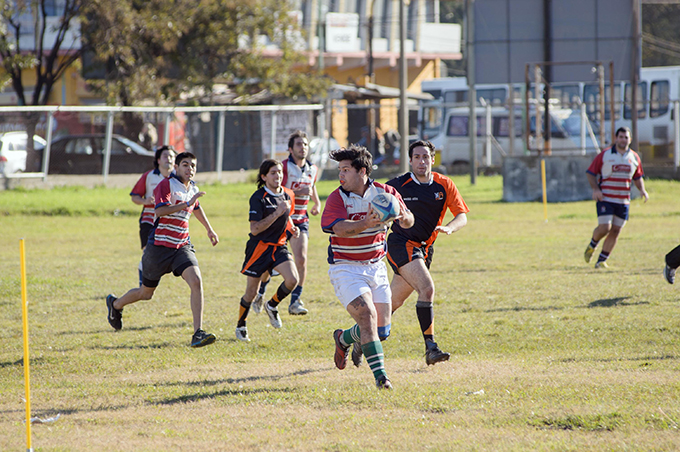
[
  {"x": 201, "y": 338},
  {"x": 383, "y": 383},
  {"x": 669, "y": 274},
  {"x": 340, "y": 350},
  {"x": 357, "y": 354},
  {"x": 115, "y": 316},
  {"x": 434, "y": 355}
]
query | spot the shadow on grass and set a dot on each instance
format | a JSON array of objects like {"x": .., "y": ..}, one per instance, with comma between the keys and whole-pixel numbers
[
  {"x": 621, "y": 359},
  {"x": 249, "y": 379},
  {"x": 526, "y": 308},
  {"x": 105, "y": 329},
  {"x": 20, "y": 362},
  {"x": 162, "y": 345},
  {"x": 223, "y": 393},
  {"x": 611, "y": 302}
]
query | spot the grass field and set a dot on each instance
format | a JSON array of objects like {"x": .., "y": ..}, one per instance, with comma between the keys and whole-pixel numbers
[{"x": 547, "y": 352}]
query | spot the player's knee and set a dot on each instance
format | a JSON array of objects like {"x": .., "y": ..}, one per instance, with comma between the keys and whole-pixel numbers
[
  {"x": 426, "y": 293},
  {"x": 292, "y": 282},
  {"x": 384, "y": 332}
]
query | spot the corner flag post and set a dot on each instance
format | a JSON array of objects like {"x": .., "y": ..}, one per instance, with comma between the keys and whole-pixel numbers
[{"x": 27, "y": 371}]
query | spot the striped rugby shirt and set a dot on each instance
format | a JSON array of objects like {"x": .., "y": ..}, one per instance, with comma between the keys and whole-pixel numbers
[
  {"x": 295, "y": 178},
  {"x": 616, "y": 171},
  {"x": 144, "y": 187},
  {"x": 368, "y": 246},
  {"x": 172, "y": 231}
]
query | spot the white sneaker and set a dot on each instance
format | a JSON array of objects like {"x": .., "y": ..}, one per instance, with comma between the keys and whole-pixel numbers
[
  {"x": 256, "y": 306},
  {"x": 297, "y": 308},
  {"x": 242, "y": 334},
  {"x": 274, "y": 317}
]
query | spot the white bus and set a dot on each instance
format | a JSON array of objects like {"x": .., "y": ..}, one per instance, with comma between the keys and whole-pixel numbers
[{"x": 658, "y": 87}]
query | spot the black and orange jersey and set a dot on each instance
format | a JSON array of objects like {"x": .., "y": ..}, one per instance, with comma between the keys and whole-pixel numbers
[
  {"x": 262, "y": 204},
  {"x": 428, "y": 203}
]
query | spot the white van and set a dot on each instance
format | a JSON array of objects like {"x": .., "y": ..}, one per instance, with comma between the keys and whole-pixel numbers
[{"x": 493, "y": 142}]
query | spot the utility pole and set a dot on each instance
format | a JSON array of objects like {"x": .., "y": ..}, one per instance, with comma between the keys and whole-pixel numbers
[
  {"x": 472, "y": 92},
  {"x": 320, "y": 35},
  {"x": 403, "y": 74}
]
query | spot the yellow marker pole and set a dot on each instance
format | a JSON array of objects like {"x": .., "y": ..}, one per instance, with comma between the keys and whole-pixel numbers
[
  {"x": 27, "y": 370},
  {"x": 545, "y": 192}
]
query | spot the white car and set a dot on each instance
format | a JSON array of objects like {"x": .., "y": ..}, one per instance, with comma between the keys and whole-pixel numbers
[{"x": 13, "y": 151}]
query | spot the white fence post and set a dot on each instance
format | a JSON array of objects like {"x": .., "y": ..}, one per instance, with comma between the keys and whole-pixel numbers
[
  {"x": 676, "y": 138},
  {"x": 489, "y": 131},
  {"x": 48, "y": 146},
  {"x": 272, "y": 149},
  {"x": 220, "y": 144},
  {"x": 107, "y": 145},
  {"x": 582, "y": 107}
]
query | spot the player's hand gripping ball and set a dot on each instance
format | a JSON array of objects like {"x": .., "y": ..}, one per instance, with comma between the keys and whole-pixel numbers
[{"x": 387, "y": 207}]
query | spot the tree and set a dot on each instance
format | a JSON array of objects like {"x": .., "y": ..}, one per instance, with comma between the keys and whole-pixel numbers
[
  {"x": 158, "y": 49},
  {"x": 48, "y": 58},
  {"x": 660, "y": 35}
]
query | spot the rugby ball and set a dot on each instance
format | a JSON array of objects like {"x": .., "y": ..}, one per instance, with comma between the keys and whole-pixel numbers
[{"x": 387, "y": 207}]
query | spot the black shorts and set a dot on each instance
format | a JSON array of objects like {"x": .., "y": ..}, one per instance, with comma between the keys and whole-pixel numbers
[
  {"x": 304, "y": 229},
  {"x": 262, "y": 257},
  {"x": 159, "y": 260},
  {"x": 401, "y": 251},
  {"x": 144, "y": 231}
]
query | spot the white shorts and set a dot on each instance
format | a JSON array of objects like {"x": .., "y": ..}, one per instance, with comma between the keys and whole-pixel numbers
[{"x": 350, "y": 281}]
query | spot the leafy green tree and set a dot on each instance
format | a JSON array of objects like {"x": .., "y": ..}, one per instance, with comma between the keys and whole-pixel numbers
[
  {"x": 660, "y": 35},
  {"x": 158, "y": 49}
]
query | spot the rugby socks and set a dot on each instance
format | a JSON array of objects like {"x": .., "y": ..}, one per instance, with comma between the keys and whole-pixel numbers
[
  {"x": 603, "y": 257},
  {"x": 139, "y": 269},
  {"x": 351, "y": 335},
  {"x": 593, "y": 243},
  {"x": 243, "y": 309},
  {"x": 263, "y": 287},
  {"x": 281, "y": 293},
  {"x": 425, "y": 313},
  {"x": 373, "y": 351},
  {"x": 295, "y": 294}
]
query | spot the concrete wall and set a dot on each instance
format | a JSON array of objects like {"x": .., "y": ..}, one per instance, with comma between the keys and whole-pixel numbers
[{"x": 565, "y": 178}]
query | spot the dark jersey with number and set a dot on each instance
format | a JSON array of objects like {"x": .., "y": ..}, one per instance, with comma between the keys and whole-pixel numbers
[
  {"x": 262, "y": 204},
  {"x": 428, "y": 203}
]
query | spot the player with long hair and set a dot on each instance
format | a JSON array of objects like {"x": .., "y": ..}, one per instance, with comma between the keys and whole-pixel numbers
[{"x": 271, "y": 207}]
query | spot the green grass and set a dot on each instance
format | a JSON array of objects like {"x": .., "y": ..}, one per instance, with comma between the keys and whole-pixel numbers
[{"x": 547, "y": 353}]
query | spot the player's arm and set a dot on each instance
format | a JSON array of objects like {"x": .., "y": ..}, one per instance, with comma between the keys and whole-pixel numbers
[
  {"x": 458, "y": 222},
  {"x": 316, "y": 207},
  {"x": 406, "y": 219},
  {"x": 168, "y": 209},
  {"x": 348, "y": 228},
  {"x": 640, "y": 184},
  {"x": 257, "y": 227},
  {"x": 203, "y": 219},
  {"x": 592, "y": 180},
  {"x": 140, "y": 200}
]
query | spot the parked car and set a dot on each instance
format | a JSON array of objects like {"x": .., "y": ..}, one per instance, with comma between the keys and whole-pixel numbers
[
  {"x": 84, "y": 154},
  {"x": 13, "y": 151}
]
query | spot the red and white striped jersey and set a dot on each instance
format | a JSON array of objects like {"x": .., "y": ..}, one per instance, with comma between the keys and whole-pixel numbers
[
  {"x": 172, "y": 230},
  {"x": 366, "y": 247},
  {"x": 144, "y": 188},
  {"x": 615, "y": 172},
  {"x": 295, "y": 178}
]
